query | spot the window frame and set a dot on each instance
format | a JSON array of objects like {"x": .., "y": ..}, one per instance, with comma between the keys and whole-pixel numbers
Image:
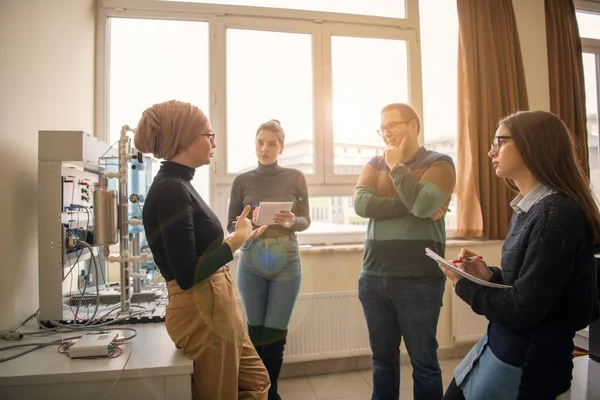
[
  {"x": 587, "y": 6},
  {"x": 415, "y": 92},
  {"x": 219, "y": 101},
  {"x": 592, "y": 46},
  {"x": 321, "y": 25},
  {"x": 589, "y": 45}
]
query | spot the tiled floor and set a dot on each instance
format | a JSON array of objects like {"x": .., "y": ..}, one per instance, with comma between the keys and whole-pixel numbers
[{"x": 355, "y": 385}]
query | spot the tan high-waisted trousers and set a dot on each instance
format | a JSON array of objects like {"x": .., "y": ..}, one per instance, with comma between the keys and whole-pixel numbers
[{"x": 206, "y": 324}]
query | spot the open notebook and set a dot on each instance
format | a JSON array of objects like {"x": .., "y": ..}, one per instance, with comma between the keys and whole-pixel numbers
[{"x": 464, "y": 274}]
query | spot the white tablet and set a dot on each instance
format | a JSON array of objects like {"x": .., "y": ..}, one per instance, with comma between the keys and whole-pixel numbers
[{"x": 267, "y": 211}]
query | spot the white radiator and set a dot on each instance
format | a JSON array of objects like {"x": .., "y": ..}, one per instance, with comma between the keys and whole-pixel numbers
[
  {"x": 466, "y": 325},
  {"x": 326, "y": 326}
]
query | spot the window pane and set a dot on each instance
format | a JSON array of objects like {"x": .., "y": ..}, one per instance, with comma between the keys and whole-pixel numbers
[
  {"x": 367, "y": 74},
  {"x": 334, "y": 215},
  {"x": 439, "y": 51},
  {"x": 381, "y": 8},
  {"x": 589, "y": 24},
  {"x": 269, "y": 76},
  {"x": 151, "y": 62},
  {"x": 590, "y": 61}
]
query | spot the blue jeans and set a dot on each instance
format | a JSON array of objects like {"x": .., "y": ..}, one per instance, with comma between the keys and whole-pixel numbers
[
  {"x": 481, "y": 375},
  {"x": 409, "y": 308},
  {"x": 269, "y": 277}
]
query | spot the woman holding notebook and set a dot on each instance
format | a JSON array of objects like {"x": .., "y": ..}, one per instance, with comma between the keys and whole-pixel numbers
[
  {"x": 269, "y": 269},
  {"x": 547, "y": 259}
]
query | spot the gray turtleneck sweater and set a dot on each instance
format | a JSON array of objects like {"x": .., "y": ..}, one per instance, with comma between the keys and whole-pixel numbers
[{"x": 270, "y": 183}]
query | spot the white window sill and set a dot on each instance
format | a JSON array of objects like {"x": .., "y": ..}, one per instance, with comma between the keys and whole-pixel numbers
[{"x": 358, "y": 247}]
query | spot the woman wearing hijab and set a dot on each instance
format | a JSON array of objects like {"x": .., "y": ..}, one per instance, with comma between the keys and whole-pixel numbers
[{"x": 187, "y": 242}]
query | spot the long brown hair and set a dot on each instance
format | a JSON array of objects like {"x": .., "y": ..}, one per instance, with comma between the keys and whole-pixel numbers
[{"x": 549, "y": 151}]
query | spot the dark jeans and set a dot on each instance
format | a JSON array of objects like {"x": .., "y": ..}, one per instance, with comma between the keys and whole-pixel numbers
[
  {"x": 454, "y": 392},
  {"x": 409, "y": 308}
]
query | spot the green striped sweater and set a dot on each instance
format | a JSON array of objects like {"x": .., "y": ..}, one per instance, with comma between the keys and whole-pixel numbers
[{"x": 399, "y": 204}]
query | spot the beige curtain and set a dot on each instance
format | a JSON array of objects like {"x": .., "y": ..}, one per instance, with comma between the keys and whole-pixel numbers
[
  {"x": 565, "y": 68},
  {"x": 491, "y": 85}
]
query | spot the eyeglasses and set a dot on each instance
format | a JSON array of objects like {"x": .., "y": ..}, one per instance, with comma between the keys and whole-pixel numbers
[
  {"x": 498, "y": 142},
  {"x": 392, "y": 127},
  {"x": 211, "y": 136}
]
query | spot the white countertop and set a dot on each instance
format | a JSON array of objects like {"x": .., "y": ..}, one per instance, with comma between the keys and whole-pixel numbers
[{"x": 154, "y": 354}]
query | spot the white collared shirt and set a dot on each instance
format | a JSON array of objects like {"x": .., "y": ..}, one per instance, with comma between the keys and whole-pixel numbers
[{"x": 524, "y": 203}]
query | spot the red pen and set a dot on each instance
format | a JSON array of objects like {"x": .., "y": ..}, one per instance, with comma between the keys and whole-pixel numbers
[{"x": 460, "y": 260}]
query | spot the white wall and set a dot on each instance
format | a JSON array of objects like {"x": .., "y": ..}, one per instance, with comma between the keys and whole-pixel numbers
[{"x": 46, "y": 82}]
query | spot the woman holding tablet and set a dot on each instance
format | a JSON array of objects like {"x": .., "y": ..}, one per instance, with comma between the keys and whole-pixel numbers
[
  {"x": 548, "y": 260},
  {"x": 269, "y": 268}
]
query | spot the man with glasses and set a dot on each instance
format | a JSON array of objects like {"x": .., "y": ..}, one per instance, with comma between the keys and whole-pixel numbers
[{"x": 405, "y": 194}]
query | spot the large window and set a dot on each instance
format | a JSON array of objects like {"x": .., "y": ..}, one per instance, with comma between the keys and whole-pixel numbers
[
  {"x": 269, "y": 76},
  {"x": 325, "y": 79},
  {"x": 589, "y": 24},
  {"x": 383, "y": 8},
  {"x": 383, "y": 71},
  {"x": 439, "y": 49},
  {"x": 590, "y": 72},
  {"x": 589, "y": 30},
  {"x": 152, "y": 61}
]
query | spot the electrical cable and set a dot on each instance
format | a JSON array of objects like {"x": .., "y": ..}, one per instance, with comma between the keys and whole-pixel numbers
[
  {"x": 4, "y": 359},
  {"x": 87, "y": 226},
  {"x": 32, "y": 316},
  {"x": 36, "y": 346},
  {"x": 62, "y": 329},
  {"x": 91, "y": 249},
  {"x": 95, "y": 325},
  {"x": 126, "y": 338},
  {"x": 120, "y": 373},
  {"x": 41, "y": 344},
  {"x": 111, "y": 147},
  {"x": 102, "y": 271}
]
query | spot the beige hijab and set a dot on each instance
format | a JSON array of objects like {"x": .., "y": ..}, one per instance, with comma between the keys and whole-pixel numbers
[{"x": 167, "y": 128}]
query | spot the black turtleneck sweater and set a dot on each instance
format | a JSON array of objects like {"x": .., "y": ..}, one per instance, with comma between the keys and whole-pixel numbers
[
  {"x": 270, "y": 183},
  {"x": 183, "y": 233}
]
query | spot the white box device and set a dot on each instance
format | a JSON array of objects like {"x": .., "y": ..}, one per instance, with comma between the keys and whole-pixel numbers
[{"x": 92, "y": 345}]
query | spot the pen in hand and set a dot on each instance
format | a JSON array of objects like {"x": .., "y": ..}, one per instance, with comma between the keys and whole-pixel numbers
[{"x": 467, "y": 259}]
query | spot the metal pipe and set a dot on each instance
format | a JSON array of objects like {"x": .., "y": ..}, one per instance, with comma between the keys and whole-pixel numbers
[
  {"x": 105, "y": 217},
  {"x": 135, "y": 266},
  {"x": 124, "y": 247},
  {"x": 123, "y": 224}
]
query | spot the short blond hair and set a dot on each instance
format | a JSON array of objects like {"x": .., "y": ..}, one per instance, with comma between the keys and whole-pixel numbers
[
  {"x": 274, "y": 126},
  {"x": 407, "y": 112}
]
